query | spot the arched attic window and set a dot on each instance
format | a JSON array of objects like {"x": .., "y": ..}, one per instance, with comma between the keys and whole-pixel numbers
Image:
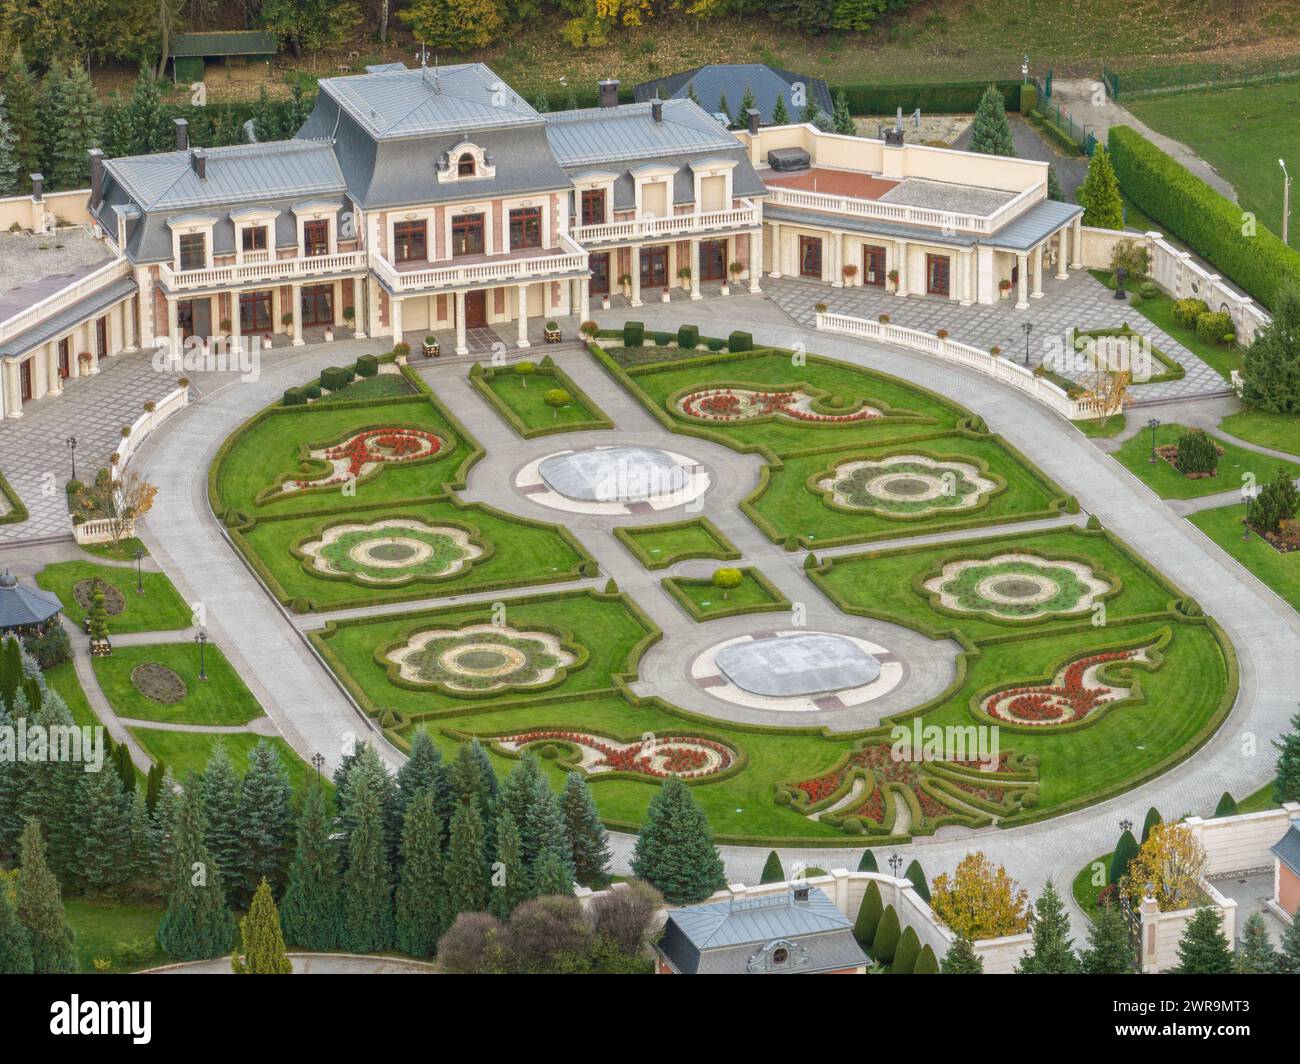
[{"x": 465, "y": 164}]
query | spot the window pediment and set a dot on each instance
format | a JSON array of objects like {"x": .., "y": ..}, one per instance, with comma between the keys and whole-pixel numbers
[{"x": 466, "y": 162}]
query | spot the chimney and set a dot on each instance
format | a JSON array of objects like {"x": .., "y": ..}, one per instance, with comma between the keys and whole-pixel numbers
[
  {"x": 657, "y": 109},
  {"x": 894, "y": 138},
  {"x": 96, "y": 177},
  {"x": 801, "y": 894},
  {"x": 182, "y": 134},
  {"x": 609, "y": 92},
  {"x": 753, "y": 115},
  {"x": 199, "y": 163},
  {"x": 38, "y": 187}
]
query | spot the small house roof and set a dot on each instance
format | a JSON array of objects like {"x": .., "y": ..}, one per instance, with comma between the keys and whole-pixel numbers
[
  {"x": 21, "y": 606},
  {"x": 224, "y": 42},
  {"x": 1287, "y": 849}
]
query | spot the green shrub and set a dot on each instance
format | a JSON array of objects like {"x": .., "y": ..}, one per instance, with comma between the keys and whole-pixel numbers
[
  {"x": 888, "y": 932},
  {"x": 1093, "y": 523},
  {"x": 332, "y": 378},
  {"x": 1214, "y": 326},
  {"x": 1148, "y": 290},
  {"x": 300, "y": 604},
  {"x": 50, "y": 647},
  {"x": 716, "y": 344},
  {"x": 634, "y": 334},
  {"x": 663, "y": 339},
  {"x": 367, "y": 366},
  {"x": 294, "y": 397},
  {"x": 772, "y": 870},
  {"x": 927, "y": 963},
  {"x": 909, "y": 948},
  {"x": 740, "y": 341},
  {"x": 952, "y": 97},
  {"x": 1186, "y": 311},
  {"x": 869, "y": 913},
  {"x": 688, "y": 336},
  {"x": 1197, "y": 453},
  {"x": 915, "y": 875},
  {"x": 550, "y": 752},
  {"x": 1278, "y": 501},
  {"x": 1227, "y": 805},
  {"x": 791, "y": 543},
  {"x": 1135, "y": 300},
  {"x": 312, "y": 390},
  {"x": 852, "y": 825},
  {"x": 867, "y": 863},
  {"x": 1028, "y": 97},
  {"x": 74, "y": 487},
  {"x": 783, "y": 797}
]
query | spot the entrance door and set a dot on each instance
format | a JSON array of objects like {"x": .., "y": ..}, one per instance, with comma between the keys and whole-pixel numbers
[
  {"x": 65, "y": 357},
  {"x": 101, "y": 337},
  {"x": 713, "y": 260},
  {"x": 654, "y": 267},
  {"x": 873, "y": 265},
  {"x": 810, "y": 256},
  {"x": 255, "y": 312},
  {"x": 936, "y": 275},
  {"x": 194, "y": 317},
  {"x": 476, "y": 309},
  {"x": 318, "y": 304},
  {"x": 599, "y": 273},
  {"x": 25, "y": 380}
]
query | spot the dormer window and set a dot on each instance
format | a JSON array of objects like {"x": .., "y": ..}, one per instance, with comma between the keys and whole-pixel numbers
[
  {"x": 465, "y": 165},
  {"x": 254, "y": 238},
  {"x": 193, "y": 251}
]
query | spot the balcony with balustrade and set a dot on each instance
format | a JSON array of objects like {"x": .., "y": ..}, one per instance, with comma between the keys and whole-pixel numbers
[
  {"x": 260, "y": 270},
  {"x": 744, "y": 217},
  {"x": 520, "y": 266}
]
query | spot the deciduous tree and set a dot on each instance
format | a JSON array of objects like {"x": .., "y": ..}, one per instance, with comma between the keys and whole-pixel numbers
[{"x": 979, "y": 900}]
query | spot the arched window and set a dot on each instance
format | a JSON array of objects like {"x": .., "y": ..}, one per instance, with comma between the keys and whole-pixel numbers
[{"x": 465, "y": 165}]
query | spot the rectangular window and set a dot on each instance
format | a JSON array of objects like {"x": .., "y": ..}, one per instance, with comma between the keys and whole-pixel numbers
[
  {"x": 411, "y": 241},
  {"x": 525, "y": 228},
  {"x": 255, "y": 312},
  {"x": 873, "y": 265},
  {"x": 318, "y": 304},
  {"x": 193, "y": 251},
  {"x": 467, "y": 235},
  {"x": 316, "y": 238},
  {"x": 936, "y": 275},
  {"x": 254, "y": 238},
  {"x": 593, "y": 206}
]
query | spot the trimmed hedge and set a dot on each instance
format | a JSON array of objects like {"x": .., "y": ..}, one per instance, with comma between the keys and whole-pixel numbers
[
  {"x": 332, "y": 378},
  {"x": 885, "y": 944},
  {"x": 367, "y": 366},
  {"x": 869, "y": 913},
  {"x": 688, "y": 336},
  {"x": 634, "y": 334},
  {"x": 909, "y": 948},
  {"x": 740, "y": 341},
  {"x": 1210, "y": 224}
]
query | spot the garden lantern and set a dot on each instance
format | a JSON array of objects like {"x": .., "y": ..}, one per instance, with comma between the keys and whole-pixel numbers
[
  {"x": 202, "y": 640},
  {"x": 1153, "y": 424},
  {"x": 139, "y": 574},
  {"x": 71, "y": 443},
  {"x": 1028, "y": 327}
]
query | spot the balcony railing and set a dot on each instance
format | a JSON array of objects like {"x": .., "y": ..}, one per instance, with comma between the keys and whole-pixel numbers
[
  {"x": 901, "y": 213},
  {"x": 267, "y": 271},
  {"x": 673, "y": 225},
  {"x": 38, "y": 312},
  {"x": 519, "y": 268}
]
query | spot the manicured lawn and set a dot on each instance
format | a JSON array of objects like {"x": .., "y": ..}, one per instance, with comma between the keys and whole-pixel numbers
[
  {"x": 659, "y": 546},
  {"x": 1105, "y": 428},
  {"x": 704, "y": 602},
  {"x": 603, "y": 625},
  {"x": 63, "y": 679},
  {"x": 1236, "y": 462},
  {"x": 1259, "y": 802},
  {"x": 123, "y": 551},
  {"x": 521, "y": 552},
  {"x": 1086, "y": 890},
  {"x": 521, "y": 401},
  {"x": 158, "y": 609},
  {"x": 1281, "y": 432},
  {"x": 272, "y": 450},
  {"x": 103, "y": 927},
  {"x": 186, "y": 752},
  {"x": 1281, "y": 572},
  {"x": 380, "y": 386},
  {"x": 220, "y": 699}
]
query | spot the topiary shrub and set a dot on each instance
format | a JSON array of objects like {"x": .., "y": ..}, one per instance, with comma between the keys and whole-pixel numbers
[
  {"x": 1227, "y": 805},
  {"x": 633, "y": 334},
  {"x": 663, "y": 339},
  {"x": 611, "y": 586},
  {"x": 300, "y": 604},
  {"x": 589, "y": 568},
  {"x": 852, "y": 825},
  {"x": 909, "y": 948},
  {"x": 1094, "y": 523},
  {"x": 927, "y": 963},
  {"x": 311, "y": 390},
  {"x": 915, "y": 875},
  {"x": 715, "y": 344},
  {"x": 401, "y": 350},
  {"x": 869, "y": 913},
  {"x": 888, "y": 932},
  {"x": 688, "y": 336},
  {"x": 332, "y": 378},
  {"x": 868, "y": 862},
  {"x": 740, "y": 341},
  {"x": 783, "y": 797},
  {"x": 367, "y": 366},
  {"x": 294, "y": 397},
  {"x": 772, "y": 870},
  {"x": 1148, "y": 290},
  {"x": 1214, "y": 326},
  {"x": 791, "y": 543},
  {"x": 1197, "y": 453},
  {"x": 1186, "y": 311}
]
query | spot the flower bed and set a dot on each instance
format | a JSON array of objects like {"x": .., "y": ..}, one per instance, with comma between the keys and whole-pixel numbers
[
  {"x": 367, "y": 451},
  {"x": 1074, "y": 693},
  {"x": 687, "y": 756},
  {"x": 744, "y": 404}
]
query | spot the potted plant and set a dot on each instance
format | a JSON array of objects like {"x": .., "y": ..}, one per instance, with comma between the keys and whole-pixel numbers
[
  {"x": 83, "y": 360},
  {"x": 819, "y": 308},
  {"x": 551, "y": 334},
  {"x": 734, "y": 269},
  {"x": 1004, "y": 287},
  {"x": 995, "y": 350},
  {"x": 400, "y": 352},
  {"x": 684, "y": 275},
  {"x": 225, "y": 326},
  {"x": 431, "y": 348},
  {"x": 588, "y": 329},
  {"x": 850, "y": 272},
  {"x": 604, "y": 301},
  {"x": 884, "y": 319},
  {"x": 893, "y": 278},
  {"x": 942, "y": 334}
]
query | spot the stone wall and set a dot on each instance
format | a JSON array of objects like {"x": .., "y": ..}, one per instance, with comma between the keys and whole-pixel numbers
[{"x": 1241, "y": 843}]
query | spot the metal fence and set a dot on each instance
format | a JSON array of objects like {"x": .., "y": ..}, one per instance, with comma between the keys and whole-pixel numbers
[{"x": 1149, "y": 80}]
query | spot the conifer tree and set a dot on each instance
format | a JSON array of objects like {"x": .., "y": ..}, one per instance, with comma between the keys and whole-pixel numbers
[
  {"x": 747, "y": 102},
  {"x": 961, "y": 959},
  {"x": 1054, "y": 191},
  {"x": 1110, "y": 947},
  {"x": 8, "y": 152},
  {"x": 1203, "y": 950},
  {"x": 165, "y": 814},
  {"x": 223, "y": 829},
  {"x": 465, "y": 865},
  {"x": 1288, "y": 958},
  {"x": 1052, "y": 952},
  {"x": 366, "y": 764},
  {"x": 147, "y": 117},
  {"x": 1255, "y": 955},
  {"x": 262, "y": 949},
  {"x": 780, "y": 115},
  {"x": 40, "y": 908},
  {"x": 1151, "y": 820},
  {"x": 476, "y": 781},
  {"x": 842, "y": 117},
  {"x": 927, "y": 963},
  {"x": 266, "y": 819},
  {"x": 1125, "y": 850},
  {"x": 106, "y": 850},
  {"x": 888, "y": 932},
  {"x": 990, "y": 131},
  {"x": 420, "y": 917},
  {"x": 869, "y": 913},
  {"x": 153, "y": 785},
  {"x": 814, "y": 116},
  {"x": 311, "y": 910},
  {"x": 197, "y": 924},
  {"x": 144, "y": 841},
  {"x": 674, "y": 849},
  {"x": 11, "y": 775},
  {"x": 867, "y": 863},
  {"x": 1286, "y": 780},
  {"x": 509, "y": 883},
  {"x": 772, "y": 870},
  {"x": 418, "y": 773},
  {"x": 77, "y": 131},
  {"x": 367, "y": 888},
  {"x": 1099, "y": 193},
  {"x": 552, "y": 874},
  {"x": 15, "y": 942},
  {"x": 909, "y": 949},
  {"x": 586, "y": 836},
  {"x": 21, "y": 99},
  {"x": 51, "y": 788},
  {"x": 724, "y": 109},
  {"x": 518, "y": 794},
  {"x": 691, "y": 94},
  {"x": 1227, "y": 805},
  {"x": 118, "y": 136},
  {"x": 915, "y": 875}
]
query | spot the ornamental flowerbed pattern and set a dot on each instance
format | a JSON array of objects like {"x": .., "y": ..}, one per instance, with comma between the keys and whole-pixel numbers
[
  {"x": 745, "y": 404},
  {"x": 365, "y": 452},
  {"x": 481, "y": 658},
  {"x": 688, "y": 756},
  {"x": 1018, "y": 586},
  {"x": 1075, "y": 693},
  {"x": 906, "y": 485},
  {"x": 390, "y": 551}
]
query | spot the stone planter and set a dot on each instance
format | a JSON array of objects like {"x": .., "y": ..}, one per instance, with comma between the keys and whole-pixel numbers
[
  {"x": 551, "y": 336},
  {"x": 431, "y": 349}
]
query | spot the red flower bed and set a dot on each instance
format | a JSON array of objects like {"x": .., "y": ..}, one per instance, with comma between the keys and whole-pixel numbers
[
  {"x": 686, "y": 762},
  {"x": 1049, "y": 702},
  {"x": 724, "y": 405}
]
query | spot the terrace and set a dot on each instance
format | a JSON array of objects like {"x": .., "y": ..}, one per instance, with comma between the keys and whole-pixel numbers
[{"x": 519, "y": 266}]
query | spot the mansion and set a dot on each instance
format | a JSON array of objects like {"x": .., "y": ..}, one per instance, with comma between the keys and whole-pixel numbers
[{"x": 420, "y": 201}]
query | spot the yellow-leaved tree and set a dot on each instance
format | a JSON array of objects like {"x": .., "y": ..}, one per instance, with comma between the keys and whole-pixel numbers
[
  {"x": 1166, "y": 868},
  {"x": 979, "y": 900}
]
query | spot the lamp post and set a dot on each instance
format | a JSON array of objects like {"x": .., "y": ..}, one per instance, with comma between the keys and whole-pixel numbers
[
  {"x": 1028, "y": 326},
  {"x": 1153, "y": 424},
  {"x": 139, "y": 575},
  {"x": 895, "y": 863},
  {"x": 1286, "y": 199},
  {"x": 1126, "y": 824},
  {"x": 318, "y": 762},
  {"x": 71, "y": 443},
  {"x": 202, "y": 640},
  {"x": 1247, "y": 497}
]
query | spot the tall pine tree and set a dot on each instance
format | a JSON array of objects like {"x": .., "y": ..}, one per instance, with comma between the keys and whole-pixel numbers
[
  {"x": 1099, "y": 194},
  {"x": 8, "y": 152},
  {"x": 1255, "y": 955},
  {"x": 266, "y": 820},
  {"x": 509, "y": 884},
  {"x": 421, "y": 918},
  {"x": 1286, "y": 780},
  {"x": 197, "y": 924},
  {"x": 15, "y": 942},
  {"x": 40, "y": 908},
  {"x": 311, "y": 910},
  {"x": 465, "y": 864},
  {"x": 367, "y": 887},
  {"x": 106, "y": 863},
  {"x": 77, "y": 130},
  {"x": 674, "y": 848},
  {"x": 21, "y": 99},
  {"x": 219, "y": 788},
  {"x": 588, "y": 842},
  {"x": 990, "y": 131},
  {"x": 1052, "y": 952},
  {"x": 1110, "y": 946},
  {"x": 842, "y": 117},
  {"x": 1203, "y": 950}
]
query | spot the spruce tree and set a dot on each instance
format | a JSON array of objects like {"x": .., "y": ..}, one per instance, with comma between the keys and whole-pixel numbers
[
  {"x": 266, "y": 819},
  {"x": 419, "y": 773},
  {"x": 961, "y": 959},
  {"x": 146, "y": 117},
  {"x": 223, "y": 829},
  {"x": 40, "y": 908},
  {"x": 311, "y": 910},
  {"x": 465, "y": 866},
  {"x": 144, "y": 841},
  {"x": 990, "y": 131},
  {"x": 1288, "y": 958},
  {"x": 51, "y": 789},
  {"x": 1286, "y": 780},
  {"x": 545, "y": 830},
  {"x": 674, "y": 849},
  {"x": 197, "y": 924},
  {"x": 420, "y": 919},
  {"x": 367, "y": 888},
  {"x": 780, "y": 115},
  {"x": 1099, "y": 194},
  {"x": 106, "y": 862},
  {"x": 11, "y": 785},
  {"x": 552, "y": 874},
  {"x": 118, "y": 136},
  {"x": 1203, "y": 950},
  {"x": 1125, "y": 850},
  {"x": 21, "y": 99},
  {"x": 77, "y": 131},
  {"x": 1255, "y": 955},
  {"x": 1110, "y": 946},
  {"x": 1272, "y": 364},
  {"x": 8, "y": 152},
  {"x": 842, "y": 117},
  {"x": 772, "y": 870},
  {"x": 509, "y": 883},
  {"x": 366, "y": 763},
  {"x": 747, "y": 102},
  {"x": 262, "y": 949},
  {"x": 15, "y": 941},
  {"x": 1052, "y": 952},
  {"x": 724, "y": 109},
  {"x": 869, "y": 913},
  {"x": 588, "y": 842},
  {"x": 519, "y": 793},
  {"x": 867, "y": 863},
  {"x": 691, "y": 94},
  {"x": 1054, "y": 191},
  {"x": 814, "y": 116}
]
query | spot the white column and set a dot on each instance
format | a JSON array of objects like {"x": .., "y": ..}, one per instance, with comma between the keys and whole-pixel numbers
[
  {"x": 295, "y": 294},
  {"x": 144, "y": 282},
  {"x": 236, "y": 336},
  {"x": 1077, "y": 244},
  {"x": 372, "y": 307},
  {"x": 776, "y": 249},
  {"x": 1062, "y": 254},
  {"x": 173, "y": 329},
  {"x": 523, "y": 317},
  {"x": 695, "y": 269},
  {"x": 900, "y": 264},
  {"x": 13, "y": 389},
  {"x": 837, "y": 260},
  {"x": 115, "y": 316},
  {"x": 128, "y": 324},
  {"x": 968, "y": 280},
  {"x": 53, "y": 385},
  {"x": 636, "y": 276},
  {"x": 395, "y": 319},
  {"x": 89, "y": 340},
  {"x": 358, "y": 308},
  {"x": 755, "y": 260},
  {"x": 1037, "y": 292},
  {"x": 462, "y": 345},
  {"x": 584, "y": 300},
  {"x": 1022, "y": 269}
]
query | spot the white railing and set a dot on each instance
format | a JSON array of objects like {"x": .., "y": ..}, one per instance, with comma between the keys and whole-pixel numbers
[
  {"x": 745, "y": 216},
  {"x": 1183, "y": 278},
  {"x": 1019, "y": 377},
  {"x": 100, "y": 531},
  {"x": 65, "y": 297},
  {"x": 268, "y": 270},
  {"x": 146, "y": 423},
  {"x": 498, "y": 269},
  {"x": 902, "y": 213}
]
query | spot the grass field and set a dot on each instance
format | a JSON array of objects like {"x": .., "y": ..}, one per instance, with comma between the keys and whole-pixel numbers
[
  {"x": 63, "y": 679},
  {"x": 159, "y": 608},
  {"x": 220, "y": 699},
  {"x": 1280, "y": 432},
  {"x": 704, "y": 602},
  {"x": 659, "y": 546},
  {"x": 522, "y": 401},
  {"x": 186, "y": 752},
  {"x": 1241, "y": 132},
  {"x": 1281, "y": 572},
  {"x": 1086, "y": 888},
  {"x": 1234, "y": 464},
  {"x": 1104, "y": 429},
  {"x": 103, "y": 927}
]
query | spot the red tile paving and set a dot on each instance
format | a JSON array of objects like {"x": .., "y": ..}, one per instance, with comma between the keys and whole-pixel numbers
[{"x": 833, "y": 182}]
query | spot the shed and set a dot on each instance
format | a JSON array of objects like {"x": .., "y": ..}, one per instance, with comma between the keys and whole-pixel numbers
[{"x": 190, "y": 51}]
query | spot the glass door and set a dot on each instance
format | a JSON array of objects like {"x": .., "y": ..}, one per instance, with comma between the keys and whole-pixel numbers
[{"x": 810, "y": 256}]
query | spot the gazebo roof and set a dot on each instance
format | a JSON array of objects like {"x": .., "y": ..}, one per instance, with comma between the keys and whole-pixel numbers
[{"x": 21, "y": 606}]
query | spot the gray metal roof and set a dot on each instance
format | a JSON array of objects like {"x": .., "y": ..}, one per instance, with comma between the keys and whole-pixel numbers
[
  {"x": 21, "y": 605},
  {"x": 712, "y": 82},
  {"x": 629, "y": 132},
  {"x": 241, "y": 173},
  {"x": 1287, "y": 849},
  {"x": 396, "y": 102},
  {"x": 224, "y": 42},
  {"x": 1035, "y": 225},
  {"x": 795, "y": 216},
  {"x": 67, "y": 319}
]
